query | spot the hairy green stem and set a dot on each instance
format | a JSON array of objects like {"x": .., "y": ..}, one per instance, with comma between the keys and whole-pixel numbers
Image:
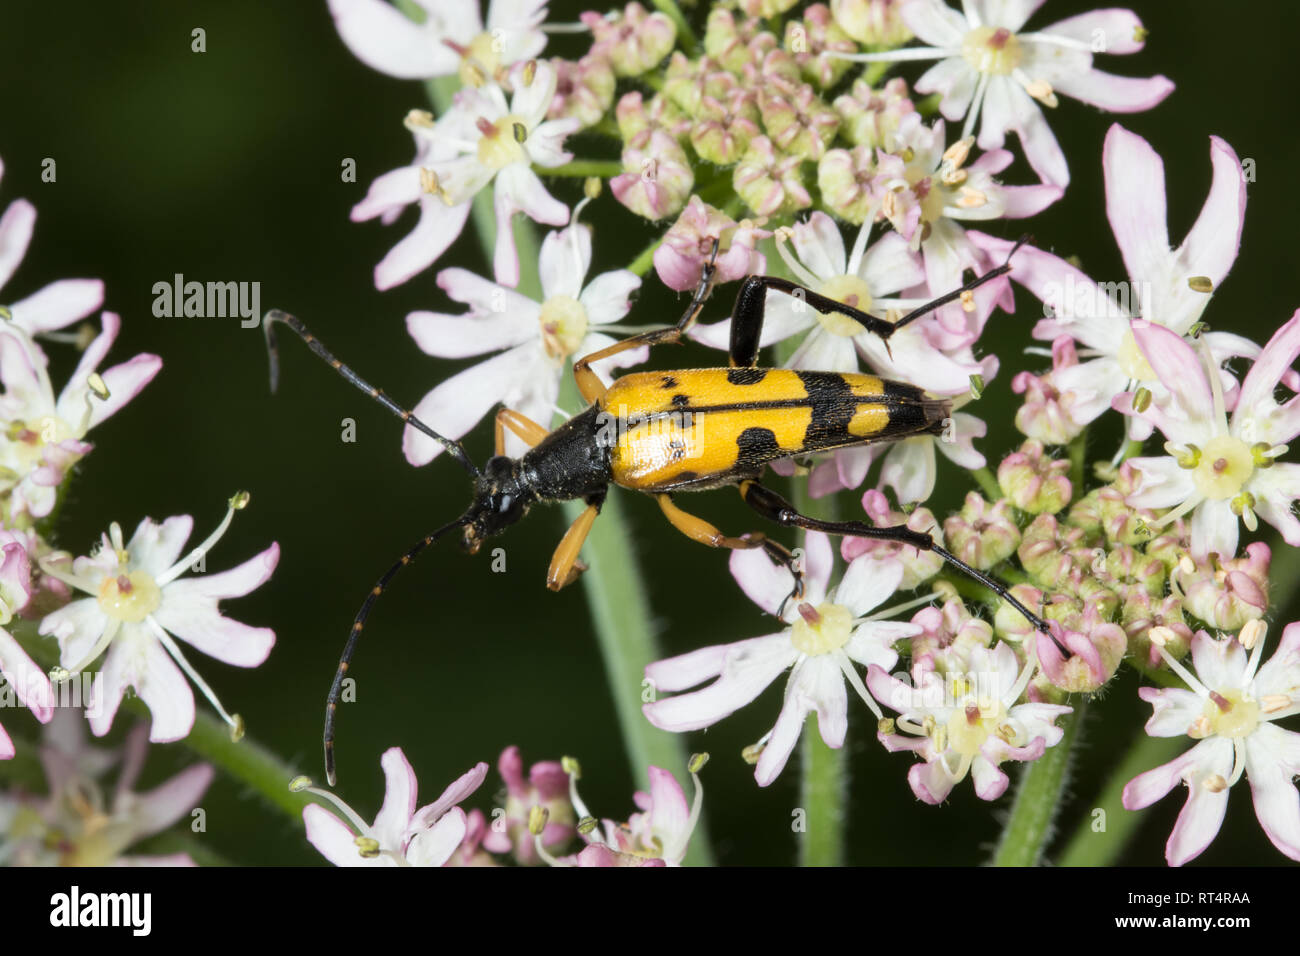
[
  {"x": 1078, "y": 454},
  {"x": 1107, "y": 827},
  {"x": 824, "y": 772},
  {"x": 602, "y": 168},
  {"x": 988, "y": 483},
  {"x": 1038, "y": 798}
]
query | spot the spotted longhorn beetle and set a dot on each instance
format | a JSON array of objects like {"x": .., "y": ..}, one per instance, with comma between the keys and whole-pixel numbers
[{"x": 749, "y": 416}]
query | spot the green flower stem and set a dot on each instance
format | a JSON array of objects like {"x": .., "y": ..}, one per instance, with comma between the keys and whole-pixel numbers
[
  {"x": 617, "y": 601},
  {"x": 602, "y": 168},
  {"x": 1078, "y": 453},
  {"x": 824, "y": 787},
  {"x": 1100, "y": 838},
  {"x": 642, "y": 263},
  {"x": 824, "y": 780},
  {"x": 685, "y": 38},
  {"x": 988, "y": 483},
  {"x": 1038, "y": 799}
]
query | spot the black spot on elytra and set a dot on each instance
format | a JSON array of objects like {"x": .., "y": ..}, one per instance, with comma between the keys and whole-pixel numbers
[
  {"x": 680, "y": 401},
  {"x": 668, "y": 382},
  {"x": 757, "y": 445},
  {"x": 746, "y": 376}
]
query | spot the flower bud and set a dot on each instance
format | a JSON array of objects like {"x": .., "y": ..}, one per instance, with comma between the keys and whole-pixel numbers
[
  {"x": 1012, "y": 626},
  {"x": 798, "y": 122},
  {"x": 1120, "y": 522},
  {"x": 982, "y": 534},
  {"x": 1096, "y": 648},
  {"x": 872, "y": 118},
  {"x": 844, "y": 177},
  {"x": 872, "y": 22},
  {"x": 727, "y": 42},
  {"x": 1034, "y": 481},
  {"x": 1227, "y": 594},
  {"x": 766, "y": 9},
  {"x": 918, "y": 566},
  {"x": 634, "y": 41},
  {"x": 769, "y": 181},
  {"x": 659, "y": 177},
  {"x": 1141, "y": 612},
  {"x": 1055, "y": 555},
  {"x": 948, "y": 636},
  {"x": 725, "y": 127},
  {"x": 807, "y": 41},
  {"x": 688, "y": 244},
  {"x": 584, "y": 90}
]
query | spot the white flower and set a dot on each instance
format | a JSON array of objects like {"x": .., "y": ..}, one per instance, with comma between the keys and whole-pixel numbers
[
  {"x": 1219, "y": 468},
  {"x": 482, "y": 138},
  {"x": 451, "y": 39},
  {"x": 539, "y": 340},
  {"x": 1230, "y": 710},
  {"x": 81, "y": 821},
  {"x": 138, "y": 604},
  {"x": 1160, "y": 279},
  {"x": 401, "y": 835},
  {"x": 829, "y": 634},
  {"x": 42, "y": 435},
  {"x": 986, "y": 63},
  {"x": 927, "y": 190},
  {"x": 56, "y": 305},
  {"x": 962, "y": 722}
]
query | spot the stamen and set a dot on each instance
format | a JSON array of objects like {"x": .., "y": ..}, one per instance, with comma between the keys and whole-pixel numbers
[
  {"x": 1161, "y": 635},
  {"x": 237, "y": 503},
  {"x": 1200, "y": 284},
  {"x": 304, "y": 785},
  {"x": 851, "y": 675},
  {"x": 968, "y": 128},
  {"x": 793, "y": 264},
  {"x": 418, "y": 119},
  {"x": 60, "y": 674},
  {"x": 235, "y": 722},
  {"x": 1214, "y": 783}
]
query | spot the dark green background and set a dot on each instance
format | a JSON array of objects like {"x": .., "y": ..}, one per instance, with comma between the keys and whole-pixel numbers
[{"x": 225, "y": 166}]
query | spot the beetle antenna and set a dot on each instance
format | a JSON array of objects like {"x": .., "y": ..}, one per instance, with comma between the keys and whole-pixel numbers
[
  {"x": 454, "y": 448},
  {"x": 336, "y": 688},
  {"x": 970, "y": 286}
]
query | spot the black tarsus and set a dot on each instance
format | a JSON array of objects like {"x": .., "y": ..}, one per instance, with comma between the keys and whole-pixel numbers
[{"x": 772, "y": 506}]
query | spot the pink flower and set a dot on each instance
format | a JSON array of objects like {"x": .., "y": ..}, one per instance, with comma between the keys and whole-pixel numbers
[
  {"x": 927, "y": 191},
  {"x": 659, "y": 835},
  {"x": 829, "y": 634},
  {"x": 42, "y": 435},
  {"x": 987, "y": 63},
  {"x": 138, "y": 603},
  {"x": 1165, "y": 286},
  {"x": 401, "y": 835},
  {"x": 82, "y": 822},
  {"x": 967, "y": 721},
  {"x": 547, "y": 785},
  {"x": 536, "y": 340},
  {"x": 27, "y": 681},
  {"x": 58, "y": 304},
  {"x": 452, "y": 37},
  {"x": 688, "y": 244},
  {"x": 1230, "y": 709},
  {"x": 1219, "y": 468}
]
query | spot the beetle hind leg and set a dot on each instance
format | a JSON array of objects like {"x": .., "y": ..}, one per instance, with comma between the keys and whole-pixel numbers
[{"x": 697, "y": 529}]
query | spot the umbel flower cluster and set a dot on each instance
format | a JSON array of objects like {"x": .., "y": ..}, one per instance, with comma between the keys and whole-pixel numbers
[{"x": 858, "y": 148}]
